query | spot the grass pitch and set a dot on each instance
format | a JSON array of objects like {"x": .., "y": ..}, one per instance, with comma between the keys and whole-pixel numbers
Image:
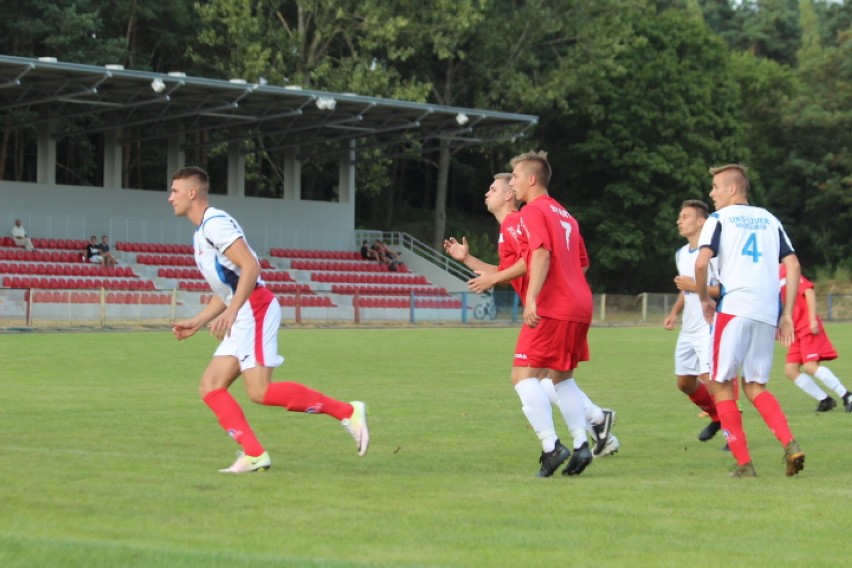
[{"x": 108, "y": 458}]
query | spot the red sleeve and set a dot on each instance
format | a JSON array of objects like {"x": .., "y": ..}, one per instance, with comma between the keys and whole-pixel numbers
[
  {"x": 536, "y": 227},
  {"x": 584, "y": 255}
]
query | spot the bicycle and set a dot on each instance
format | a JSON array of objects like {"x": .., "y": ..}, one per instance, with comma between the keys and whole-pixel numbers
[{"x": 486, "y": 308}]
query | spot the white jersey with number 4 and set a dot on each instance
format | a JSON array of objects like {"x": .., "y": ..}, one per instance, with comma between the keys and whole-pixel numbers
[{"x": 749, "y": 243}]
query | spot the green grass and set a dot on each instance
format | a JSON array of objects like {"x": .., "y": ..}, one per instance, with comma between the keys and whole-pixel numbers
[{"x": 108, "y": 458}]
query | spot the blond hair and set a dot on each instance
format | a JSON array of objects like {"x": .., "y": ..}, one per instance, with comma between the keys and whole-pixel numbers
[
  {"x": 539, "y": 166},
  {"x": 738, "y": 173}
]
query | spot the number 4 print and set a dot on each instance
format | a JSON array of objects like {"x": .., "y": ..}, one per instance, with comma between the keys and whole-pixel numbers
[{"x": 750, "y": 248}]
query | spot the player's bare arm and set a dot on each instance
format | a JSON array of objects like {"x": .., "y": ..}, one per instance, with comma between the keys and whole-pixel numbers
[
  {"x": 485, "y": 280},
  {"x": 786, "y": 333},
  {"x": 187, "y": 328},
  {"x": 461, "y": 251},
  {"x": 539, "y": 265},
  {"x": 671, "y": 319},
  {"x": 810, "y": 301},
  {"x": 241, "y": 256},
  {"x": 702, "y": 264}
]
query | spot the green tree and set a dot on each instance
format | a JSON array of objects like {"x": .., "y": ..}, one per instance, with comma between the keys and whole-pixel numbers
[
  {"x": 820, "y": 124},
  {"x": 647, "y": 146}
]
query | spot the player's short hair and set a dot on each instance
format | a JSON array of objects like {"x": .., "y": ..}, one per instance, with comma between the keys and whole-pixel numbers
[
  {"x": 506, "y": 176},
  {"x": 540, "y": 167},
  {"x": 738, "y": 170},
  {"x": 193, "y": 172},
  {"x": 702, "y": 208}
]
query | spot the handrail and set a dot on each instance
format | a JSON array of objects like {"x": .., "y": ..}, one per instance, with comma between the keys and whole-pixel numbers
[{"x": 421, "y": 249}]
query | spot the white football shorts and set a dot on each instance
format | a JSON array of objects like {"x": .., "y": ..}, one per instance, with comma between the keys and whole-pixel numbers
[
  {"x": 254, "y": 336},
  {"x": 742, "y": 346},
  {"x": 692, "y": 354}
]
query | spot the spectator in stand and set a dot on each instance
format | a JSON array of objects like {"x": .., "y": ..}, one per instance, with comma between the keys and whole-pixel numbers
[
  {"x": 109, "y": 260},
  {"x": 386, "y": 255},
  {"x": 19, "y": 235},
  {"x": 368, "y": 253},
  {"x": 92, "y": 252}
]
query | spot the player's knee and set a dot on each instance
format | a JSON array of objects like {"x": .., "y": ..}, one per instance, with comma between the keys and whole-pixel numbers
[
  {"x": 257, "y": 394},
  {"x": 687, "y": 385}
]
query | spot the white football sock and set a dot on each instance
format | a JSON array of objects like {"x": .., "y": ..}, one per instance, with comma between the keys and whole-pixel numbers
[
  {"x": 832, "y": 382},
  {"x": 807, "y": 384},
  {"x": 536, "y": 407},
  {"x": 571, "y": 406}
]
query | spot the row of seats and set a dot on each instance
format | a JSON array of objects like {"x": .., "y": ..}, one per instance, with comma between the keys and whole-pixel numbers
[
  {"x": 77, "y": 283},
  {"x": 307, "y": 253},
  {"x": 282, "y": 287},
  {"x": 62, "y": 297},
  {"x": 365, "y": 266},
  {"x": 164, "y": 248},
  {"x": 388, "y": 290},
  {"x": 21, "y": 255},
  {"x": 359, "y": 278},
  {"x": 369, "y": 302},
  {"x": 195, "y": 274},
  {"x": 57, "y": 269},
  {"x": 40, "y": 243},
  {"x": 180, "y": 260},
  {"x": 304, "y": 301}
]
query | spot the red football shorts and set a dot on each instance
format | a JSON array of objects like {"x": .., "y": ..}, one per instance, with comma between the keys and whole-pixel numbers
[
  {"x": 809, "y": 347},
  {"x": 552, "y": 344}
]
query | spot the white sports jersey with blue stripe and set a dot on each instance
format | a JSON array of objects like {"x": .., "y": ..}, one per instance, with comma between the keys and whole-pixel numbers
[
  {"x": 217, "y": 232},
  {"x": 749, "y": 243},
  {"x": 692, "y": 317}
]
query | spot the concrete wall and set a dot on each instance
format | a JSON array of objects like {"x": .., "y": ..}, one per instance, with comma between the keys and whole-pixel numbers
[{"x": 74, "y": 212}]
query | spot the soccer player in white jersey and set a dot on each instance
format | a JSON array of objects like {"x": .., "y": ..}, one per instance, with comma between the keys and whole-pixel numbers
[
  {"x": 245, "y": 316},
  {"x": 692, "y": 352},
  {"x": 749, "y": 243}
]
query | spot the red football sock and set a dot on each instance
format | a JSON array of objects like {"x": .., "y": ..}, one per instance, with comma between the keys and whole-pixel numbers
[
  {"x": 296, "y": 397},
  {"x": 732, "y": 426},
  {"x": 232, "y": 419},
  {"x": 702, "y": 399},
  {"x": 769, "y": 409}
]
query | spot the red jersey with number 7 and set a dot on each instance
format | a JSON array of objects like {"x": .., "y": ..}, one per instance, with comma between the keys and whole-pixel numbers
[{"x": 565, "y": 294}]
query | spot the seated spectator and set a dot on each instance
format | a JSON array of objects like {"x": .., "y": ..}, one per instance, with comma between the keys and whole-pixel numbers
[
  {"x": 369, "y": 254},
  {"x": 109, "y": 260},
  {"x": 19, "y": 235},
  {"x": 92, "y": 252},
  {"x": 386, "y": 255}
]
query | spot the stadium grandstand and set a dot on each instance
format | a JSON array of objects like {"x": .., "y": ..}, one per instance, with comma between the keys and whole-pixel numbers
[{"x": 308, "y": 246}]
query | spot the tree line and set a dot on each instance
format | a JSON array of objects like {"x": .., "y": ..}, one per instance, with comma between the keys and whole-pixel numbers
[{"x": 636, "y": 99}]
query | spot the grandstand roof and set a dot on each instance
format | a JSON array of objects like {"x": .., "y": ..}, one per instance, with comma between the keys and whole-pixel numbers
[{"x": 279, "y": 116}]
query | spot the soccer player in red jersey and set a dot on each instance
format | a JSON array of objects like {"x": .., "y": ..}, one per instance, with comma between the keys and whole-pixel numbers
[
  {"x": 245, "y": 316},
  {"x": 557, "y": 307},
  {"x": 500, "y": 201},
  {"x": 810, "y": 347}
]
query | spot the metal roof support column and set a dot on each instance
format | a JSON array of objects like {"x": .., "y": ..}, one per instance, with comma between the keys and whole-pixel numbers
[
  {"x": 46, "y": 160},
  {"x": 236, "y": 169},
  {"x": 292, "y": 174},
  {"x": 175, "y": 156},
  {"x": 112, "y": 158},
  {"x": 347, "y": 172}
]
